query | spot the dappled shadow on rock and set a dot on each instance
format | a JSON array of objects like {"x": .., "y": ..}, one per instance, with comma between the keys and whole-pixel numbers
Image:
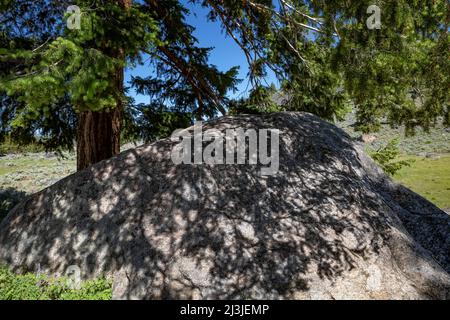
[{"x": 320, "y": 228}]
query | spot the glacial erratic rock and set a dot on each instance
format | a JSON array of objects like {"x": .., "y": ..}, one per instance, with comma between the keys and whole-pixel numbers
[{"x": 329, "y": 225}]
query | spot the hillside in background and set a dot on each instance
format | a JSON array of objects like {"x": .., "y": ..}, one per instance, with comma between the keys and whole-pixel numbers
[
  {"x": 424, "y": 144},
  {"x": 429, "y": 173}
]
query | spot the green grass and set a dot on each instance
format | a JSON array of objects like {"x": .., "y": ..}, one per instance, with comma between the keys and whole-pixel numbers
[
  {"x": 21, "y": 175},
  {"x": 39, "y": 287},
  {"x": 428, "y": 177},
  {"x": 24, "y": 164},
  {"x": 33, "y": 172}
]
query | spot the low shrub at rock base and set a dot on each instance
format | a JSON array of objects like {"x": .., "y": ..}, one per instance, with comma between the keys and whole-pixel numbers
[{"x": 40, "y": 287}]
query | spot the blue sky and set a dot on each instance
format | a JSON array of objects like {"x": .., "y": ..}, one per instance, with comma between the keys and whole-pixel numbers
[{"x": 226, "y": 52}]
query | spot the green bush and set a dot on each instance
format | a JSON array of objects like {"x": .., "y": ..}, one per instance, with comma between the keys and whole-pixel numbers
[
  {"x": 32, "y": 287},
  {"x": 9, "y": 146},
  {"x": 384, "y": 157}
]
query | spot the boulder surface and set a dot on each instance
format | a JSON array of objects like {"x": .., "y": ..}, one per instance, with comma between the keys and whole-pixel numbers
[{"x": 329, "y": 225}]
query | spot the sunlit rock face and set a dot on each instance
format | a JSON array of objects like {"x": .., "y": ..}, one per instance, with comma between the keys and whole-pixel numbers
[{"x": 328, "y": 225}]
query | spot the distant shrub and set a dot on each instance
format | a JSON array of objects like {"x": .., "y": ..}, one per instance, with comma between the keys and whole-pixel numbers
[
  {"x": 9, "y": 146},
  {"x": 384, "y": 157},
  {"x": 32, "y": 287}
]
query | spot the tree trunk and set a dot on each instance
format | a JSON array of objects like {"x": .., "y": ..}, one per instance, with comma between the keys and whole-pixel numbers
[
  {"x": 98, "y": 136},
  {"x": 98, "y": 133}
]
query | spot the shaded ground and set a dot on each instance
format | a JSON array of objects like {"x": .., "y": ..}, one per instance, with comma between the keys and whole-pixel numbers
[{"x": 8, "y": 199}]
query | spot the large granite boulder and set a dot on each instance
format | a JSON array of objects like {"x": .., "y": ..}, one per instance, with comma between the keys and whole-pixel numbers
[{"x": 329, "y": 225}]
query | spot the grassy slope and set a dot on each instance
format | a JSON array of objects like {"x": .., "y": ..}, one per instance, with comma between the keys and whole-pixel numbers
[
  {"x": 428, "y": 177},
  {"x": 437, "y": 140},
  {"x": 33, "y": 172}
]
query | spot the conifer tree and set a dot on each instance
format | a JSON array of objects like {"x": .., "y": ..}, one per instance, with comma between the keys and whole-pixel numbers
[
  {"x": 326, "y": 55},
  {"x": 86, "y": 66}
]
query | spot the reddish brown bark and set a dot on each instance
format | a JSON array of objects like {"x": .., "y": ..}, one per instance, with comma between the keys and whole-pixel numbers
[{"x": 98, "y": 134}]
